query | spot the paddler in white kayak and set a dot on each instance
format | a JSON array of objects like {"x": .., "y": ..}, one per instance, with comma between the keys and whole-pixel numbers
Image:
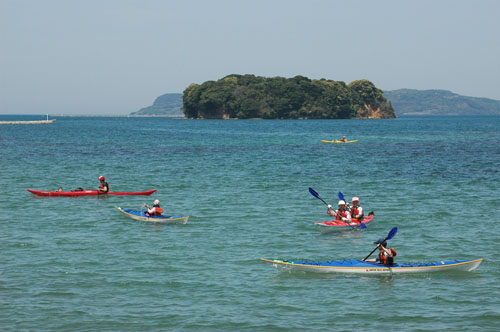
[
  {"x": 156, "y": 210},
  {"x": 341, "y": 214},
  {"x": 385, "y": 256}
]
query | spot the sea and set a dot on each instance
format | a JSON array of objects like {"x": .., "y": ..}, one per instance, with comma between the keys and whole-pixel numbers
[{"x": 78, "y": 264}]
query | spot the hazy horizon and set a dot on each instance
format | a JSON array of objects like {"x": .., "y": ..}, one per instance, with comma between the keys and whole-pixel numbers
[{"x": 115, "y": 57}]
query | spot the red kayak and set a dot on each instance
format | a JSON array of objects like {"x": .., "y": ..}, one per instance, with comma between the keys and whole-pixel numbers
[
  {"x": 79, "y": 193},
  {"x": 337, "y": 225}
]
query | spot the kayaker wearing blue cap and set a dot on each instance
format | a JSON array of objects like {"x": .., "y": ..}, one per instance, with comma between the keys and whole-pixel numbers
[
  {"x": 104, "y": 187},
  {"x": 341, "y": 214},
  {"x": 385, "y": 256}
]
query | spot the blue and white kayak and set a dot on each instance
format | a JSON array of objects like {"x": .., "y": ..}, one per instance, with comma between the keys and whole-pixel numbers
[
  {"x": 142, "y": 216},
  {"x": 361, "y": 267}
]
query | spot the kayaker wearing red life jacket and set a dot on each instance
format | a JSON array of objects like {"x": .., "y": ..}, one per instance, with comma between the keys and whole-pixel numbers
[
  {"x": 341, "y": 214},
  {"x": 356, "y": 210},
  {"x": 385, "y": 256},
  {"x": 104, "y": 187},
  {"x": 156, "y": 210}
]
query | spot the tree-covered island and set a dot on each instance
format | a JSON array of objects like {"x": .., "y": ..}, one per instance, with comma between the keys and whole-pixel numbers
[{"x": 250, "y": 96}]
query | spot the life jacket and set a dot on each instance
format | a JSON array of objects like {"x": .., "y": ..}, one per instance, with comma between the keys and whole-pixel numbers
[
  {"x": 385, "y": 259},
  {"x": 354, "y": 213},
  {"x": 104, "y": 184},
  {"x": 158, "y": 211},
  {"x": 340, "y": 214}
]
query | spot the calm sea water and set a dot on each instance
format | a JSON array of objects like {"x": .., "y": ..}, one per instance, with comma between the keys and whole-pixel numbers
[{"x": 77, "y": 264}]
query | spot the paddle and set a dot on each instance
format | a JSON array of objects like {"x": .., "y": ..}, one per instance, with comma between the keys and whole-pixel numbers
[
  {"x": 315, "y": 194},
  {"x": 389, "y": 236},
  {"x": 341, "y": 196}
]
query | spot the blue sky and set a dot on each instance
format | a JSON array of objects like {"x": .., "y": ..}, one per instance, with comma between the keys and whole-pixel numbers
[{"x": 114, "y": 57}]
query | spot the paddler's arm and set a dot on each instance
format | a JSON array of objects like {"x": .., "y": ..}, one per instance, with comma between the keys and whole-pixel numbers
[
  {"x": 330, "y": 211},
  {"x": 387, "y": 251},
  {"x": 348, "y": 218}
]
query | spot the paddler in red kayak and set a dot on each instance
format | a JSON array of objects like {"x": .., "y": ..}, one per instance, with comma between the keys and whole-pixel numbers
[
  {"x": 385, "y": 256},
  {"x": 104, "y": 187},
  {"x": 341, "y": 214},
  {"x": 156, "y": 210},
  {"x": 356, "y": 210}
]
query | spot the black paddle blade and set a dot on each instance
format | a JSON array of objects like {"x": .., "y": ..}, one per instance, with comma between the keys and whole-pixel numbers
[{"x": 313, "y": 192}]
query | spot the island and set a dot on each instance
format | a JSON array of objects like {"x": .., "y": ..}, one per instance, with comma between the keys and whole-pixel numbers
[{"x": 250, "y": 97}]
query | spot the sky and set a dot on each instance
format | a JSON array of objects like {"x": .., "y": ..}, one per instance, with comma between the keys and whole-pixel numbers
[{"x": 117, "y": 56}]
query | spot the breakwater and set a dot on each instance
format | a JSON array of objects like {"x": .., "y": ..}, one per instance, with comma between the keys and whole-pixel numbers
[{"x": 26, "y": 122}]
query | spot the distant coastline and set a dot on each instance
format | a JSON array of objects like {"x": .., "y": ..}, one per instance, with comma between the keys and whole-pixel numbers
[{"x": 410, "y": 102}]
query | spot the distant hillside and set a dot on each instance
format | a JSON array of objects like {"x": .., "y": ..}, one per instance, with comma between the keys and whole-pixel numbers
[
  {"x": 439, "y": 102},
  {"x": 169, "y": 104}
]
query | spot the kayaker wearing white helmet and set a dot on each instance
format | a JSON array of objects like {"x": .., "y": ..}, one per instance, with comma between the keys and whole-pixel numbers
[
  {"x": 356, "y": 210},
  {"x": 104, "y": 187},
  {"x": 341, "y": 214},
  {"x": 156, "y": 210}
]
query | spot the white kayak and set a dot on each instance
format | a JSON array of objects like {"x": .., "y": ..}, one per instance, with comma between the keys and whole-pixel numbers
[
  {"x": 373, "y": 268},
  {"x": 142, "y": 216}
]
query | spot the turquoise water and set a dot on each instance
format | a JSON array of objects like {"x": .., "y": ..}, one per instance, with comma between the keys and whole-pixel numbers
[{"x": 77, "y": 264}]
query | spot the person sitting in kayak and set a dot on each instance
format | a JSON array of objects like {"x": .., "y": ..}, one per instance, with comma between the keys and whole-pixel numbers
[
  {"x": 60, "y": 189},
  {"x": 341, "y": 214},
  {"x": 343, "y": 139},
  {"x": 156, "y": 210},
  {"x": 104, "y": 187},
  {"x": 385, "y": 256},
  {"x": 356, "y": 210}
]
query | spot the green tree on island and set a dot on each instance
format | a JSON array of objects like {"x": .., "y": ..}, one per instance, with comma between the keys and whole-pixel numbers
[{"x": 250, "y": 96}]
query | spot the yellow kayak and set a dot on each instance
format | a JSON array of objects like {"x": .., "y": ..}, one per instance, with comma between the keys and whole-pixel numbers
[{"x": 339, "y": 141}]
